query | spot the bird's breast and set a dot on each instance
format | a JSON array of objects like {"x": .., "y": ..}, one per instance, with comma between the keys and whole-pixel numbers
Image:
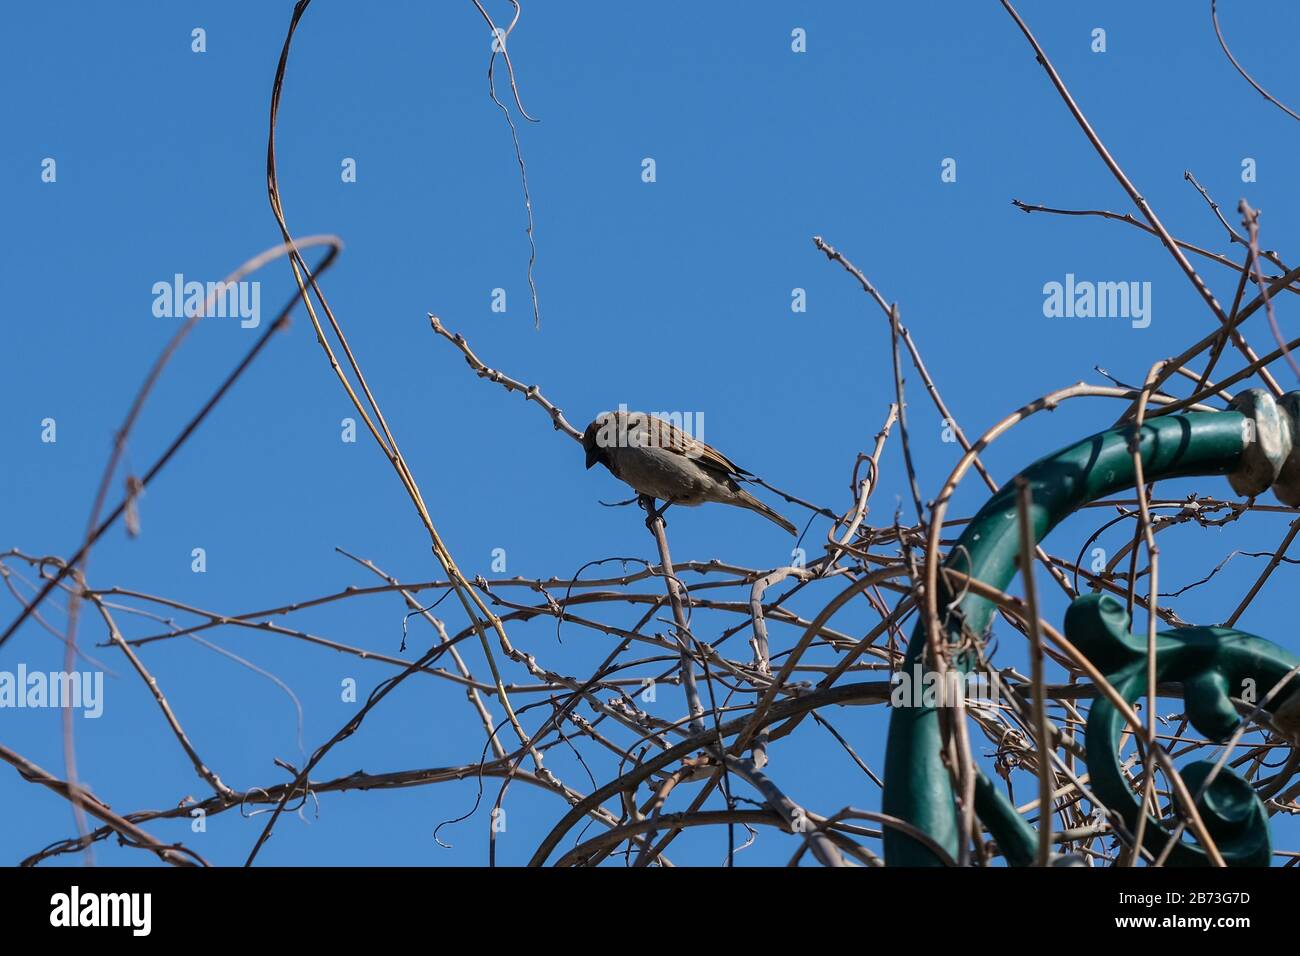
[{"x": 660, "y": 474}]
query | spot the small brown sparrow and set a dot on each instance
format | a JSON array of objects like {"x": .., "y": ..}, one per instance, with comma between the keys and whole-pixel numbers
[{"x": 660, "y": 461}]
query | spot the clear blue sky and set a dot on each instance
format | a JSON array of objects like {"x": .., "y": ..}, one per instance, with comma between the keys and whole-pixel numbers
[{"x": 671, "y": 295}]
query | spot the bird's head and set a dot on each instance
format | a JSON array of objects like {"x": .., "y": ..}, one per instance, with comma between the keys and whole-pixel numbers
[{"x": 591, "y": 443}]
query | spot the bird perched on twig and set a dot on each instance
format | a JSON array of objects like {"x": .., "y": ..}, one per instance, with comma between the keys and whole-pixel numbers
[{"x": 662, "y": 462}]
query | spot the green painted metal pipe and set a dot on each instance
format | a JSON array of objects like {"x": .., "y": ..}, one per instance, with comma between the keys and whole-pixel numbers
[
  {"x": 918, "y": 786},
  {"x": 1212, "y": 664}
]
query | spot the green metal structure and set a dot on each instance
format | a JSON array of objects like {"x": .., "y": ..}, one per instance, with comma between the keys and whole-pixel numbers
[{"x": 1254, "y": 444}]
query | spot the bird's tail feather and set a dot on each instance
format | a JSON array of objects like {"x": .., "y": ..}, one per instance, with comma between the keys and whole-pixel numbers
[{"x": 753, "y": 504}]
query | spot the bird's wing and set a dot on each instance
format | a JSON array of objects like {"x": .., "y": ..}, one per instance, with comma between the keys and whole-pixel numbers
[{"x": 671, "y": 438}]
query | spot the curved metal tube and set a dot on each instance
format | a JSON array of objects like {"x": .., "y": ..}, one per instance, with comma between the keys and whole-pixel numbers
[{"x": 1251, "y": 444}]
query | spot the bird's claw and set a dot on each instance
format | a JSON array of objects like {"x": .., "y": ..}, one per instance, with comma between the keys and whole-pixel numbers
[{"x": 652, "y": 513}]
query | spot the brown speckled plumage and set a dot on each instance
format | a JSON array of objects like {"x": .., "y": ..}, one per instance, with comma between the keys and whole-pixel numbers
[{"x": 657, "y": 459}]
